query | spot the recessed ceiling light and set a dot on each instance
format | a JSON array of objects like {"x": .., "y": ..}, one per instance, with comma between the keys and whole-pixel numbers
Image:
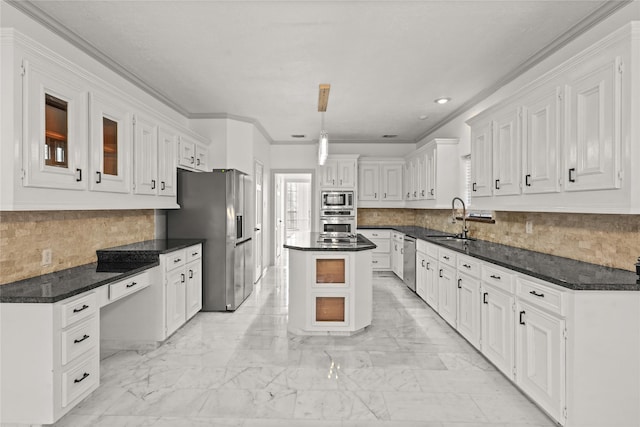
[
  {"x": 298, "y": 135},
  {"x": 442, "y": 100},
  {"x": 423, "y": 117},
  {"x": 389, "y": 136}
]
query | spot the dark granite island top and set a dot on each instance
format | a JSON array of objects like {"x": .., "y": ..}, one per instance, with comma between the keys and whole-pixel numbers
[
  {"x": 565, "y": 272},
  {"x": 314, "y": 242},
  {"x": 113, "y": 264}
]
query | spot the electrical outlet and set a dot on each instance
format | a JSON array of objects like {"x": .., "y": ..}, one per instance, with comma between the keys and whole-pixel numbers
[
  {"x": 528, "y": 227},
  {"x": 46, "y": 257}
]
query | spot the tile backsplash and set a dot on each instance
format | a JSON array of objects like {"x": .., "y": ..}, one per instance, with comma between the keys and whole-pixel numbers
[
  {"x": 72, "y": 236},
  {"x": 609, "y": 240}
]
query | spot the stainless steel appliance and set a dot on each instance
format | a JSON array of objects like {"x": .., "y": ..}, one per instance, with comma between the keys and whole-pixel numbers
[
  {"x": 337, "y": 223},
  {"x": 216, "y": 206},
  {"x": 409, "y": 263},
  {"x": 337, "y": 200}
]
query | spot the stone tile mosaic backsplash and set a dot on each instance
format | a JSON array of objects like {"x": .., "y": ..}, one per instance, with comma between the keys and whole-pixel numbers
[
  {"x": 609, "y": 240},
  {"x": 72, "y": 236}
]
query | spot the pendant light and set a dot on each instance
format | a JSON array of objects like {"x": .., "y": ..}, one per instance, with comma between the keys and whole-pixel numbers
[{"x": 323, "y": 141}]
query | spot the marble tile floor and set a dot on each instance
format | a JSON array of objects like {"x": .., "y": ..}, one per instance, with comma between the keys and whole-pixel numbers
[{"x": 242, "y": 369}]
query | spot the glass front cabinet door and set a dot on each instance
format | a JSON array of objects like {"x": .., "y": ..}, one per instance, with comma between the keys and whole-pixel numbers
[
  {"x": 110, "y": 144},
  {"x": 54, "y": 127}
]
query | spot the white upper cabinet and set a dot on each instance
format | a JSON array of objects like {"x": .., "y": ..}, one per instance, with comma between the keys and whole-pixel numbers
[
  {"x": 506, "y": 152},
  {"x": 145, "y": 146},
  {"x": 110, "y": 144},
  {"x": 202, "y": 158},
  {"x": 430, "y": 172},
  {"x": 380, "y": 180},
  {"x": 481, "y": 159},
  {"x": 167, "y": 156},
  {"x": 55, "y": 127},
  {"x": 391, "y": 181},
  {"x": 593, "y": 128},
  {"x": 187, "y": 152},
  {"x": 339, "y": 171},
  {"x": 369, "y": 181},
  {"x": 541, "y": 141}
]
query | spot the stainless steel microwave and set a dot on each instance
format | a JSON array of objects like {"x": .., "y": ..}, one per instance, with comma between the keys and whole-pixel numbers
[{"x": 337, "y": 200}]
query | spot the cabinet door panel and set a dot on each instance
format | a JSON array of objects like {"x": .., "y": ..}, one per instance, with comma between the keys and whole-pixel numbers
[
  {"x": 447, "y": 297},
  {"x": 432, "y": 282},
  {"x": 497, "y": 328},
  {"x": 175, "y": 309},
  {"x": 408, "y": 181},
  {"x": 593, "y": 129},
  {"x": 430, "y": 171},
  {"x": 541, "y": 358},
  {"x": 194, "y": 288},
  {"x": 110, "y": 145},
  {"x": 391, "y": 182},
  {"x": 368, "y": 180},
  {"x": 421, "y": 276},
  {"x": 481, "y": 160},
  {"x": 145, "y": 145},
  {"x": 506, "y": 153},
  {"x": 54, "y": 127},
  {"x": 167, "y": 155},
  {"x": 328, "y": 174},
  {"x": 541, "y": 143},
  {"x": 187, "y": 152},
  {"x": 346, "y": 173},
  {"x": 202, "y": 158},
  {"x": 468, "y": 321}
]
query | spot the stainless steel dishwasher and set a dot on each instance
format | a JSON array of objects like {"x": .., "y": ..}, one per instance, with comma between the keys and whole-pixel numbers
[{"x": 409, "y": 263}]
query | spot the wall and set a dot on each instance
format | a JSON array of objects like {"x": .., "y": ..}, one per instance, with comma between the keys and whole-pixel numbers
[
  {"x": 609, "y": 240},
  {"x": 72, "y": 236}
]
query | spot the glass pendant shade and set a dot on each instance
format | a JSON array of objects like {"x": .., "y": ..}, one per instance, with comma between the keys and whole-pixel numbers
[{"x": 323, "y": 147}]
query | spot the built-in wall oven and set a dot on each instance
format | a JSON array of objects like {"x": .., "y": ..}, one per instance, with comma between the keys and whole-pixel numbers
[
  {"x": 337, "y": 222},
  {"x": 342, "y": 200}
]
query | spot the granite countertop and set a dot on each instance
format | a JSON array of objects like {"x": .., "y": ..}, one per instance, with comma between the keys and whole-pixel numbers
[
  {"x": 53, "y": 287},
  {"x": 565, "y": 272},
  {"x": 113, "y": 264},
  {"x": 310, "y": 242}
]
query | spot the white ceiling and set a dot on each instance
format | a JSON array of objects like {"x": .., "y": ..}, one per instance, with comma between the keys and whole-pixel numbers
[{"x": 386, "y": 61}]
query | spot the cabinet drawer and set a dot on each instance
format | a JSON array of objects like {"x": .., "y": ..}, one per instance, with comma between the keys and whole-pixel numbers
[
  {"x": 79, "y": 339},
  {"x": 381, "y": 261},
  {"x": 78, "y": 309},
  {"x": 447, "y": 257},
  {"x": 497, "y": 277},
  {"x": 80, "y": 379},
  {"x": 541, "y": 295},
  {"x": 194, "y": 252},
  {"x": 130, "y": 285},
  {"x": 376, "y": 234},
  {"x": 427, "y": 248},
  {"x": 175, "y": 259},
  {"x": 469, "y": 266}
]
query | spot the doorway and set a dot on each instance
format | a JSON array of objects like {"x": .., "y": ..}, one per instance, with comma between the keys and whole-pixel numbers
[{"x": 294, "y": 207}]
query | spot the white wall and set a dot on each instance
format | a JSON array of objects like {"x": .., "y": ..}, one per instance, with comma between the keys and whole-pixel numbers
[
  {"x": 216, "y": 131},
  {"x": 262, "y": 153}
]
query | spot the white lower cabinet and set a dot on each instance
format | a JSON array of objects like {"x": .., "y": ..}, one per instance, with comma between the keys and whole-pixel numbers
[
  {"x": 183, "y": 286},
  {"x": 50, "y": 358},
  {"x": 176, "y": 301},
  {"x": 381, "y": 257},
  {"x": 194, "y": 288},
  {"x": 468, "y": 321},
  {"x": 397, "y": 253},
  {"x": 421, "y": 275},
  {"x": 540, "y": 357},
  {"x": 447, "y": 294},
  {"x": 497, "y": 321}
]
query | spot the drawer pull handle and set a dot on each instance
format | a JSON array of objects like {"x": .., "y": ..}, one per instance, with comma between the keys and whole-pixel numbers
[
  {"x": 84, "y": 337},
  {"x": 534, "y": 293},
  {"x": 194, "y": 254},
  {"x": 374, "y": 234},
  {"x": 446, "y": 257},
  {"x": 423, "y": 263},
  {"x": 459, "y": 283},
  {"x": 84, "y": 376},
  {"x": 183, "y": 278},
  {"x": 493, "y": 276},
  {"x": 176, "y": 260},
  {"x": 190, "y": 274},
  {"x": 521, "y": 317},
  {"x": 440, "y": 274},
  {"x": 466, "y": 265},
  {"x": 78, "y": 310},
  {"x": 132, "y": 284},
  {"x": 375, "y": 262},
  {"x": 162, "y": 186},
  {"x": 484, "y": 298}
]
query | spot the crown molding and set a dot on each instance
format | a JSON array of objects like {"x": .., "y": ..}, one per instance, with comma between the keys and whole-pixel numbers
[
  {"x": 55, "y": 26},
  {"x": 255, "y": 122},
  {"x": 600, "y": 14}
]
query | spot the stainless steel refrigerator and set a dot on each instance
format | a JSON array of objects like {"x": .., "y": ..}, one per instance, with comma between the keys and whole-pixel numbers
[{"x": 216, "y": 206}]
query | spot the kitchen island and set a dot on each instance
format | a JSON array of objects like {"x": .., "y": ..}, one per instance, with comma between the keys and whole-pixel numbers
[{"x": 330, "y": 284}]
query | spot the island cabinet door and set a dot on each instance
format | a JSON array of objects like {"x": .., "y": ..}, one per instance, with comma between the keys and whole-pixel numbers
[
  {"x": 330, "y": 309},
  {"x": 331, "y": 271}
]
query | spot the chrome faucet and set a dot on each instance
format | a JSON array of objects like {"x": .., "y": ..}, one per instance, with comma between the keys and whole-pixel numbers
[{"x": 465, "y": 230}]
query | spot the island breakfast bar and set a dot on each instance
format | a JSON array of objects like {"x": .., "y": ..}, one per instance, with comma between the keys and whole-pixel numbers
[{"x": 330, "y": 284}]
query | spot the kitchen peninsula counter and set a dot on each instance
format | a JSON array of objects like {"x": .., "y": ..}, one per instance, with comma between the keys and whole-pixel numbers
[{"x": 330, "y": 285}]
